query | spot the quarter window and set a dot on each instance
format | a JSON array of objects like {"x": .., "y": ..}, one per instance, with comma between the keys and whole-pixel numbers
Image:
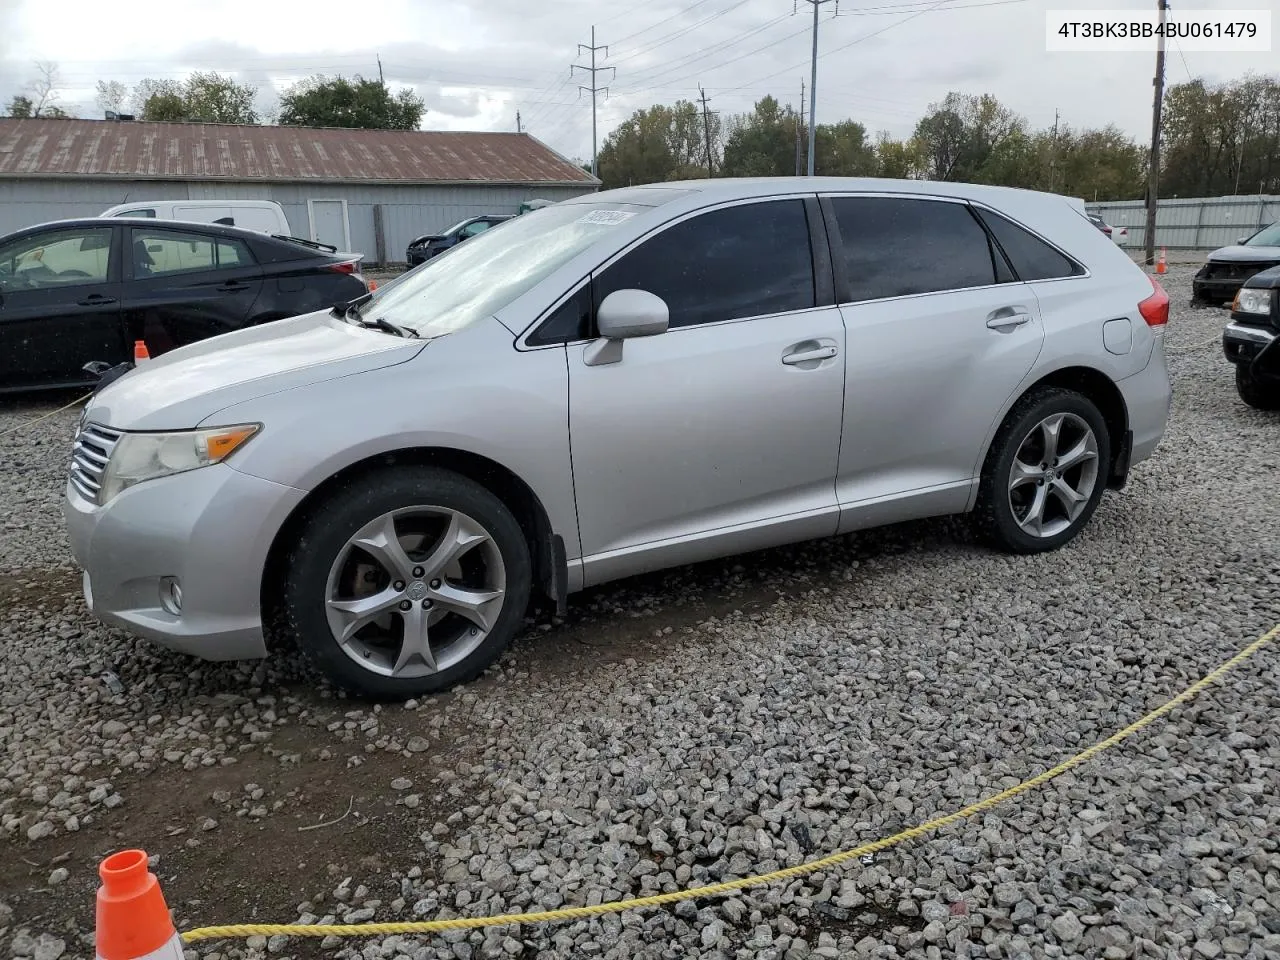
[
  {"x": 896, "y": 247},
  {"x": 744, "y": 261},
  {"x": 64, "y": 258},
  {"x": 1032, "y": 258}
]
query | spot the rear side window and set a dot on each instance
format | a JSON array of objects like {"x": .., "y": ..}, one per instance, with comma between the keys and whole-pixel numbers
[
  {"x": 1032, "y": 258},
  {"x": 896, "y": 247},
  {"x": 730, "y": 264},
  {"x": 139, "y": 213}
]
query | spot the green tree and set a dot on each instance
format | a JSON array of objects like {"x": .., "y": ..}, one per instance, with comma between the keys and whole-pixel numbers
[
  {"x": 958, "y": 136},
  {"x": 201, "y": 98},
  {"x": 1222, "y": 139},
  {"x": 658, "y": 144},
  {"x": 762, "y": 143},
  {"x": 21, "y": 107},
  {"x": 44, "y": 95},
  {"x": 898, "y": 159},
  {"x": 843, "y": 150},
  {"x": 357, "y": 103}
]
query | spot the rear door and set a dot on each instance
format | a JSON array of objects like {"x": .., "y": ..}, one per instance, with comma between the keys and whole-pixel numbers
[
  {"x": 60, "y": 297},
  {"x": 185, "y": 286},
  {"x": 940, "y": 334}
]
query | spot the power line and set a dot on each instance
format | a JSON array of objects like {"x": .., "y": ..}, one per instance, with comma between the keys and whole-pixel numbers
[
  {"x": 657, "y": 71},
  {"x": 667, "y": 19},
  {"x": 683, "y": 31}
]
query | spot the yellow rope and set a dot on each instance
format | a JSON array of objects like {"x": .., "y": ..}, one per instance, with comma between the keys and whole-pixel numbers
[
  {"x": 44, "y": 416},
  {"x": 716, "y": 889}
]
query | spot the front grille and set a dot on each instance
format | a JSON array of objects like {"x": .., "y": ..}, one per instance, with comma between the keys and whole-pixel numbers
[
  {"x": 1235, "y": 271},
  {"x": 89, "y": 456}
]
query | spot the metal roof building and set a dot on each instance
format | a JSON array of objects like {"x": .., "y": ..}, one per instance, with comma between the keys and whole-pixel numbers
[{"x": 370, "y": 191}]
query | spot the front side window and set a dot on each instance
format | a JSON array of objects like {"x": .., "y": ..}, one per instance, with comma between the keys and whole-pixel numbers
[
  {"x": 480, "y": 226},
  {"x": 62, "y": 258},
  {"x": 744, "y": 261},
  {"x": 480, "y": 277},
  {"x": 139, "y": 213},
  {"x": 897, "y": 247},
  {"x": 162, "y": 252}
]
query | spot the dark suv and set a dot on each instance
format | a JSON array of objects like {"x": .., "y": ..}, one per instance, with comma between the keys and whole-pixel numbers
[
  {"x": 78, "y": 292},
  {"x": 1251, "y": 340},
  {"x": 1226, "y": 269},
  {"x": 425, "y": 247}
]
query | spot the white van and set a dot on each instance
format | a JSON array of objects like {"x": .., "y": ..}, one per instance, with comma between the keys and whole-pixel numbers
[{"x": 265, "y": 216}]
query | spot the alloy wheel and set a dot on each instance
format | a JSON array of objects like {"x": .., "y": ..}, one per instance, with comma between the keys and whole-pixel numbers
[
  {"x": 1054, "y": 474},
  {"x": 415, "y": 591}
]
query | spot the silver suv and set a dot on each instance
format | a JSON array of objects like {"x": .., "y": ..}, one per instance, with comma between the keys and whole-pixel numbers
[{"x": 623, "y": 382}]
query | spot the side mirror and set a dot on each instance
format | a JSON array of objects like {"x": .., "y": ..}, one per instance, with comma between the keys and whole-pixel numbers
[
  {"x": 1241, "y": 241},
  {"x": 622, "y": 315},
  {"x": 632, "y": 313}
]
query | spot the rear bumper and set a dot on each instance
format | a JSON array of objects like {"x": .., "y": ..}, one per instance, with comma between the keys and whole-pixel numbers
[{"x": 1148, "y": 398}]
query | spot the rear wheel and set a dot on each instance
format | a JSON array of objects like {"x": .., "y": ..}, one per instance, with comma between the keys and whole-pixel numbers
[
  {"x": 1045, "y": 472},
  {"x": 1259, "y": 394},
  {"x": 407, "y": 582}
]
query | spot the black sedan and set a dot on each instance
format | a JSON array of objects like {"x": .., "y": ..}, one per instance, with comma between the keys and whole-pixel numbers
[
  {"x": 425, "y": 247},
  {"x": 81, "y": 291}
]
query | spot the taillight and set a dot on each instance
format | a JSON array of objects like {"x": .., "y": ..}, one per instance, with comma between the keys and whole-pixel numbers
[
  {"x": 347, "y": 266},
  {"x": 1155, "y": 309}
]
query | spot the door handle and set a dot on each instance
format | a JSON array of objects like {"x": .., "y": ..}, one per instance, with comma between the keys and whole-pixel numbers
[
  {"x": 1006, "y": 318},
  {"x": 804, "y": 356},
  {"x": 230, "y": 286},
  {"x": 95, "y": 300}
]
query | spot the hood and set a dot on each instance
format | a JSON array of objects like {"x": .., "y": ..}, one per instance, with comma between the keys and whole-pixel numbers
[
  {"x": 1268, "y": 279},
  {"x": 427, "y": 239},
  {"x": 1243, "y": 254},
  {"x": 179, "y": 389}
]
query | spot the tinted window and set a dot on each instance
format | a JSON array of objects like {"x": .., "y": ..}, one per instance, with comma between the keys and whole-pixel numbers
[
  {"x": 161, "y": 252},
  {"x": 743, "y": 261},
  {"x": 896, "y": 247},
  {"x": 139, "y": 213},
  {"x": 1031, "y": 257},
  {"x": 569, "y": 321},
  {"x": 61, "y": 258},
  {"x": 480, "y": 226}
]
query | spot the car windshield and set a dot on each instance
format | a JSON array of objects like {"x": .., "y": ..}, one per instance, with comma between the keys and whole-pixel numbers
[
  {"x": 477, "y": 278},
  {"x": 1268, "y": 237}
]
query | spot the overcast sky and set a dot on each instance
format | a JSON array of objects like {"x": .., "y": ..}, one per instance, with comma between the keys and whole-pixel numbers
[{"x": 476, "y": 63}]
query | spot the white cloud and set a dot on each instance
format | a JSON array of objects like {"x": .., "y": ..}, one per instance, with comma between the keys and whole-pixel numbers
[{"x": 477, "y": 64}]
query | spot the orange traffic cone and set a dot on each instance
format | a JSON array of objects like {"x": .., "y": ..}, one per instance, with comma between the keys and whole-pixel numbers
[
  {"x": 140, "y": 352},
  {"x": 373, "y": 285},
  {"x": 133, "y": 920},
  {"x": 1162, "y": 262}
]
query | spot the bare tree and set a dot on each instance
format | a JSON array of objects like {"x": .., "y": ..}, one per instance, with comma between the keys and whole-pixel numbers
[
  {"x": 44, "y": 91},
  {"x": 112, "y": 95}
]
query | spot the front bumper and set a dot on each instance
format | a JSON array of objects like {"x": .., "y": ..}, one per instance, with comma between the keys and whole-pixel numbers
[
  {"x": 1245, "y": 344},
  {"x": 1216, "y": 290},
  {"x": 211, "y": 529}
]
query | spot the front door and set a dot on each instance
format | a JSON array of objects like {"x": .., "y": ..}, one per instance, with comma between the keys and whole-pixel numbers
[
  {"x": 940, "y": 335},
  {"x": 187, "y": 286},
  {"x": 60, "y": 297},
  {"x": 721, "y": 434}
]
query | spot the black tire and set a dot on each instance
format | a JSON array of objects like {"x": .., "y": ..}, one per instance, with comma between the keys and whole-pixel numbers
[
  {"x": 1256, "y": 393},
  {"x": 331, "y": 523},
  {"x": 994, "y": 512}
]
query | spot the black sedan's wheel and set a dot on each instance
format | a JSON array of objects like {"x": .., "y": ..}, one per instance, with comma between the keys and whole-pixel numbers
[
  {"x": 1045, "y": 472},
  {"x": 408, "y": 582},
  {"x": 1259, "y": 394}
]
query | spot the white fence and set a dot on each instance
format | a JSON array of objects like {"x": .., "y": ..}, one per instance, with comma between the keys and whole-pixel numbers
[{"x": 1199, "y": 223}]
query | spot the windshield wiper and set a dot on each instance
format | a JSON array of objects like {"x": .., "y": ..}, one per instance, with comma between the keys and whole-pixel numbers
[
  {"x": 350, "y": 311},
  {"x": 378, "y": 323}
]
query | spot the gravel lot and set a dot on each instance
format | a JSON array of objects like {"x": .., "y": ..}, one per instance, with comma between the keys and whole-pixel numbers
[{"x": 710, "y": 722}]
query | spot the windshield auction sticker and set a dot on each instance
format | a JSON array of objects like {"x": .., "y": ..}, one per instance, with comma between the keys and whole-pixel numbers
[
  {"x": 606, "y": 218},
  {"x": 1119, "y": 31}
]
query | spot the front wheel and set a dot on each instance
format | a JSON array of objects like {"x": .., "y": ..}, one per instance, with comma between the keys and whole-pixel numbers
[
  {"x": 1045, "y": 472},
  {"x": 407, "y": 582},
  {"x": 1256, "y": 393}
]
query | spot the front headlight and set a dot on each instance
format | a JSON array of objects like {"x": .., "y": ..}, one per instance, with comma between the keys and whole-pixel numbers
[
  {"x": 146, "y": 456},
  {"x": 1252, "y": 301}
]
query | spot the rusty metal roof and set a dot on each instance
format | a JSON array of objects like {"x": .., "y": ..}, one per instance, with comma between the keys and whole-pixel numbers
[{"x": 140, "y": 150}]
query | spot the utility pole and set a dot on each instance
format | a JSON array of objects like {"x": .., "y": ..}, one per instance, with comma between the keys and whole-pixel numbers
[
  {"x": 798, "y": 116},
  {"x": 1053, "y": 151},
  {"x": 813, "y": 78},
  {"x": 518, "y": 130},
  {"x": 593, "y": 89},
  {"x": 1153, "y": 173},
  {"x": 380, "y": 80},
  {"x": 706, "y": 125}
]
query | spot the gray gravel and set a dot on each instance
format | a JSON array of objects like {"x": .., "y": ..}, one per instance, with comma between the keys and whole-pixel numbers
[{"x": 731, "y": 719}]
